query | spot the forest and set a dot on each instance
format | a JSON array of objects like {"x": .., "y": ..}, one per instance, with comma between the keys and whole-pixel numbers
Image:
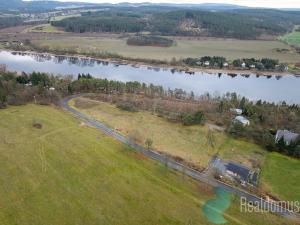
[
  {"x": 10, "y": 21},
  {"x": 238, "y": 23}
]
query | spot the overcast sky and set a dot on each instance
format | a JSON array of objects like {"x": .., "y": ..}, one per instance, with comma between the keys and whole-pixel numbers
[{"x": 253, "y": 3}]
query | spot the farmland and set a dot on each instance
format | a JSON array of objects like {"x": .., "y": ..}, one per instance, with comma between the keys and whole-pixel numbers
[
  {"x": 187, "y": 142},
  {"x": 281, "y": 176},
  {"x": 292, "y": 38},
  {"x": 69, "y": 173},
  {"x": 183, "y": 47}
]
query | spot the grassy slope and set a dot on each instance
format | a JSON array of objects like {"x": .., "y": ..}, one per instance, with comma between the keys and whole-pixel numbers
[
  {"x": 57, "y": 18},
  {"x": 292, "y": 38},
  {"x": 189, "y": 142},
  {"x": 231, "y": 49},
  {"x": 280, "y": 175},
  {"x": 43, "y": 28},
  {"x": 67, "y": 173}
]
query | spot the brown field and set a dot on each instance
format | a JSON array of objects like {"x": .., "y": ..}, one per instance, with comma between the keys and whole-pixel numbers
[{"x": 229, "y": 48}]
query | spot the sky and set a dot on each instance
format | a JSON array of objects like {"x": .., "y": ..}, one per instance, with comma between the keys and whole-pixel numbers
[{"x": 251, "y": 3}]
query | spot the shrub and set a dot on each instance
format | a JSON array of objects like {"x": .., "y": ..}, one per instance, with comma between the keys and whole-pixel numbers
[
  {"x": 127, "y": 106},
  {"x": 193, "y": 118},
  {"x": 150, "y": 41},
  {"x": 37, "y": 124}
]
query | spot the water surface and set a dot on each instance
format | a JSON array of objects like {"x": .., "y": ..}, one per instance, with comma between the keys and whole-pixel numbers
[{"x": 272, "y": 88}]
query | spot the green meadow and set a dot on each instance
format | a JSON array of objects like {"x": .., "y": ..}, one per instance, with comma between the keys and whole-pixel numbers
[{"x": 68, "y": 173}]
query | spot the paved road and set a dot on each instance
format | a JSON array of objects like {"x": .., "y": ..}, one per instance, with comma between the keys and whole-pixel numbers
[{"x": 177, "y": 166}]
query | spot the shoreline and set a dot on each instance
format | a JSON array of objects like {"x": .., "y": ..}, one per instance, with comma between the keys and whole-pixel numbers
[{"x": 185, "y": 69}]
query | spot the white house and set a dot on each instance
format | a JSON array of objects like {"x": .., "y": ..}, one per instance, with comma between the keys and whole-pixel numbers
[
  {"x": 206, "y": 63},
  {"x": 51, "y": 89},
  {"x": 225, "y": 64},
  {"x": 236, "y": 111},
  {"x": 243, "y": 65},
  {"x": 252, "y": 66},
  {"x": 287, "y": 136},
  {"x": 242, "y": 120}
]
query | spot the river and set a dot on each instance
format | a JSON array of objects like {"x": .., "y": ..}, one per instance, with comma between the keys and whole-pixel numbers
[{"x": 268, "y": 88}]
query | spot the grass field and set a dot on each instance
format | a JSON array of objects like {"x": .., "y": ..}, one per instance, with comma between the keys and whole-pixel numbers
[
  {"x": 187, "y": 142},
  {"x": 292, "y": 38},
  {"x": 228, "y": 48},
  {"x": 67, "y": 173},
  {"x": 57, "y": 18},
  {"x": 43, "y": 28},
  {"x": 280, "y": 175}
]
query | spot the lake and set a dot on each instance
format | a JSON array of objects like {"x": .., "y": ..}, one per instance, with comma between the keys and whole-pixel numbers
[{"x": 271, "y": 88}]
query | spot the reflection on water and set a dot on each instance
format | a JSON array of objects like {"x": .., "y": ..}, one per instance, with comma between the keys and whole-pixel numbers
[{"x": 254, "y": 87}]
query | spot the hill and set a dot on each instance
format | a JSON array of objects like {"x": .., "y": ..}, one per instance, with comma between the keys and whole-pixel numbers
[
  {"x": 68, "y": 173},
  {"x": 234, "y": 23}
]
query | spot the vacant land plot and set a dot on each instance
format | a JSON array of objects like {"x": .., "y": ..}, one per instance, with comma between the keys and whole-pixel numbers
[
  {"x": 67, "y": 173},
  {"x": 187, "y": 142},
  {"x": 57, "y": 18},
  {"x": 292, "y": 38},
  {"x": 228, "y": 48},
  {"x": 43, "y": 28},
  {"x": 281, "y": 176}
]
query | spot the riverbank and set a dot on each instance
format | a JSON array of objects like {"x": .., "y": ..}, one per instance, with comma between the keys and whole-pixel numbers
[{"x": 140, "y": 63}]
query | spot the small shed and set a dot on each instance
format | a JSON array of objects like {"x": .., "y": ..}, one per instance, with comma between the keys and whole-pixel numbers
[{"x": 242, "y": 120}]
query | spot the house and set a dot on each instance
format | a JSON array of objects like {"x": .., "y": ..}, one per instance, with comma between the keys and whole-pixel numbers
[
  {"x": 236, "y": 111},
  {"x": 206, "y": 63},
  {"x": 235, "y": 172},
  {"x": 287, "y": 136},
  {"x": 225, "y": 64},
  {"x": 252, "y": 66},
  {"x": 242, "y": 120},
  {"x": 51, "y": 89},
  {"x": 238, "y": 172},
  {"x": 243, "y": 65}
]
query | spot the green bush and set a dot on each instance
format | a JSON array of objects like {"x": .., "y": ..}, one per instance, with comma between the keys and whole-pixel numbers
[
  {"x": 150, "y": 41},
  {"x": 193, "y": 118}
]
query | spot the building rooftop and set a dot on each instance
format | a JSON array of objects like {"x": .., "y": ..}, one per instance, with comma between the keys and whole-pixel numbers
[
  {"x": 240, "y": 170},
  {"x": 242, "y": 120},
  {"x": 287, "y": 136}
]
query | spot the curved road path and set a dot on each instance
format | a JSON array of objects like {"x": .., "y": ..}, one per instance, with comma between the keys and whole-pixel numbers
[{"x": 178, "y": 166}]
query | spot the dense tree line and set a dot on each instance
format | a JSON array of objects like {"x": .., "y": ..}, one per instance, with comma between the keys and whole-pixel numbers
[
  {"x": 250, "y": 63},
  {"x": 101, "y": 24},
  {"x": 242, "y": 24},
  {"x": 266, "y": 118},
  {"x": 10, "y": 21},
  {"x": 150, "y": 41}
]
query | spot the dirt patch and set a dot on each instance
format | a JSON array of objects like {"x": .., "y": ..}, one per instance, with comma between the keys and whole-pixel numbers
[
  {"x": 84, "y": 104},
  {"x": 140, "y": 156},
  {"x": 17, "y": 29}
]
